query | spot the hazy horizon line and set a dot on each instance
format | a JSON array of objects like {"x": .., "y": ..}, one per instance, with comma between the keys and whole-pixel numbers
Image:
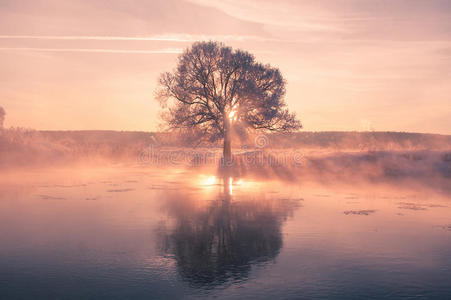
[{"x": 301, "y": 131}]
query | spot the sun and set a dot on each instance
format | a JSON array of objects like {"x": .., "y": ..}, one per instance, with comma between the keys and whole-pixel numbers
[{"x": 233, "y": 114}]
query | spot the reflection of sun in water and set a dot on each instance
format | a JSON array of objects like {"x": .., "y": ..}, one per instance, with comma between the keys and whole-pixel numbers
[
  {"x": 229, "y": 185},
  {"x": 210, "y": 180}
]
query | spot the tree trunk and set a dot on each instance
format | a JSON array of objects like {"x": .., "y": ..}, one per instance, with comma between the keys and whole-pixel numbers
[{"x": 227, "y": 151}]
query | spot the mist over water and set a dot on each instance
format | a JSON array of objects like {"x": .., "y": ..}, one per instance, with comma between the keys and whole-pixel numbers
[
  {"x": 170, "y": 232},
  {"x": 103, "y": 214}
]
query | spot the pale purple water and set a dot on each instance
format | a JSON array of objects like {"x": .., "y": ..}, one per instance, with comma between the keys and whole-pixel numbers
[{"x": 134, "y": 233}]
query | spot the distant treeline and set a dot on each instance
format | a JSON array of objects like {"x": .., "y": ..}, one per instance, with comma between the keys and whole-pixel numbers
[
  {"x": 347, "y": 140},
  {"x": 351, "y": 140},
  {"x": 27, "y": 147}
]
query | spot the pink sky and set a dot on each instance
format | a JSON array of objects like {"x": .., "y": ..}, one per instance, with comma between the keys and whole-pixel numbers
[{"x": 349, "y": 64}]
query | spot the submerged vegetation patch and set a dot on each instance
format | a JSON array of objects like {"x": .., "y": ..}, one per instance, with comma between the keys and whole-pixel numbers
[{"x": 363, "y": 212}]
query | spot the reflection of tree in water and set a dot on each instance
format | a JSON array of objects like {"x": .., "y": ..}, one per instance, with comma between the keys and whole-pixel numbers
[{"x": 219, "y": 240}]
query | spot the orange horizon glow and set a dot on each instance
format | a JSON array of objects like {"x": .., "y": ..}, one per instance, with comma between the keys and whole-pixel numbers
[{"x": 349, "y": 65}]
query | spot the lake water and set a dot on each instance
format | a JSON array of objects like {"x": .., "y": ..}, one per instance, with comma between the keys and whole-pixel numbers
[{"x": 136, "y": 233}]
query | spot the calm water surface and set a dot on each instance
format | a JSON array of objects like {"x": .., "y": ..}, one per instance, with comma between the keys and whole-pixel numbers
[{"x": 133, "y": 233}]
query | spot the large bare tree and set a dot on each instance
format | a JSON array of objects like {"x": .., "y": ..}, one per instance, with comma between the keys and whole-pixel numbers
[{"x": 216, "y": 89}]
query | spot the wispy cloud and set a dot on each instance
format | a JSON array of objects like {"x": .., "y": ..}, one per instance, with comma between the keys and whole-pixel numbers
[
  {"x": 286, "y": 14},
  {"x": 92, "y": 50},
  {"x": 167, "y": 38}
]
